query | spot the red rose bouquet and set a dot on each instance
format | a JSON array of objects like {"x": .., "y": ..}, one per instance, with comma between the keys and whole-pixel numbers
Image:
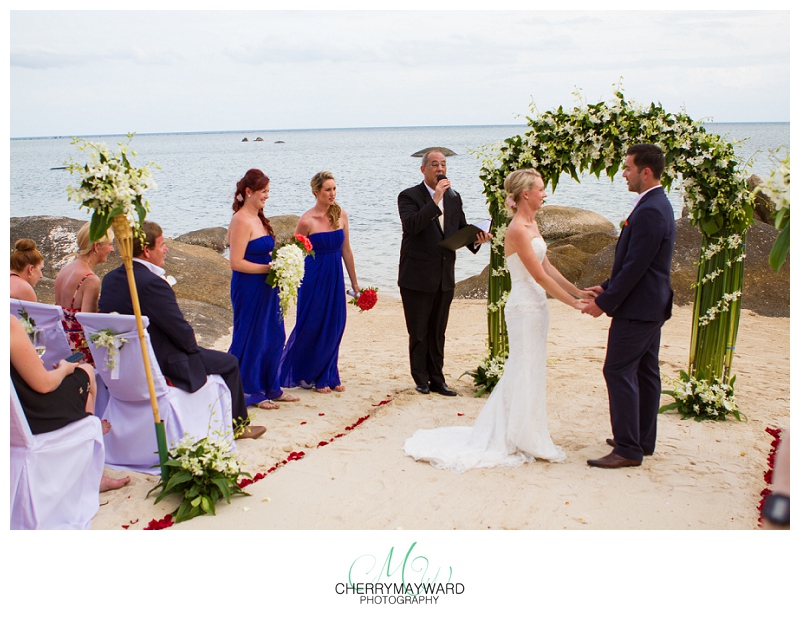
[{"x": 366, "y": 299}]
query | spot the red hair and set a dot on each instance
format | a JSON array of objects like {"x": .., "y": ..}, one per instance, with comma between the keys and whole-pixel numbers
[{"x": 254, "y": 180}]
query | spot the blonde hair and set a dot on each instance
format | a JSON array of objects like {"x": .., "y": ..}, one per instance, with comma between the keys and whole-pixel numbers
[
  {"x": 520, "y": 181},
  {"x": 334, "y": 211},
  {"x": 85, "y": 244},
  {"x": 24, "y": 254}
]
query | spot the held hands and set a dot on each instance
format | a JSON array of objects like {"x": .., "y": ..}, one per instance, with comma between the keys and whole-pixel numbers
[
  {"x": 591, "y": 308},
  {"x": 67, "y": 367}
]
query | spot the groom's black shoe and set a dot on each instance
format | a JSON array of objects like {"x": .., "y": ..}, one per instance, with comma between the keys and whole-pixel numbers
[
  {"x": 613, "y": 444},
  {"x": 441, "y": 388},
  {"x": 422, "y": 388},
  {"x": 613, "y": 461}
]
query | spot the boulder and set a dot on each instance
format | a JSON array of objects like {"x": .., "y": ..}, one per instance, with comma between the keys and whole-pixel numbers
[
  {"x": 474, "y": 287},
  {"x": 765, "y": 292},
  {"x": 203, "y": 276},
  {"x": 283, "y": 226},
  {"x": 764, "y": 207},
  {"x": 570, "y": 251},
  {"x": 245, "y": 140},
  {"x": 259, "y": 139},
  {"x": 215, "y": 238},
  {"x": 569, "y": 267},
  {"x": 557, "y": 222},
  {"x": 590, "y": 243},
  {"x": 444, "y": 151}
]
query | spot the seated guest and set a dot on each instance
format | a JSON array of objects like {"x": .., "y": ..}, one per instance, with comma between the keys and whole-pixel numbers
[
  {"x": 185, "y": 364},
  {"x": 52, "y": 399},
  {"x": 78, "y": 288},
  {"x": 26, "y": 269}
]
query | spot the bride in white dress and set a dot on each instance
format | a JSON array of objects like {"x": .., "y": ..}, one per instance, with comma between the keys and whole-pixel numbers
[{"x": 512, "y": 427}]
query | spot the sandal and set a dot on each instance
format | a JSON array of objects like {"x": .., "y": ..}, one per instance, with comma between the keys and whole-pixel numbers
[
  {"x": 268, "y": 404},
  {"x": 287, "y": 398}
]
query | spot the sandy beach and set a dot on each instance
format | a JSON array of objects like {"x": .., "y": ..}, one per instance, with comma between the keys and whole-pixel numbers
[{"x": 355, "y": 476}]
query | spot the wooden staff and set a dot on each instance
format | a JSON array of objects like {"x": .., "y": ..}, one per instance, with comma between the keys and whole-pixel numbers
[{"x": 123, "y": 234}]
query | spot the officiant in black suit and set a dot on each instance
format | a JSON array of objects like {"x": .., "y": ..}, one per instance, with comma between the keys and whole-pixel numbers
[
  {"x": 429, "y": 212},
  {"x": 185, "y": 364},
  {"x": 638, "y": 297}
]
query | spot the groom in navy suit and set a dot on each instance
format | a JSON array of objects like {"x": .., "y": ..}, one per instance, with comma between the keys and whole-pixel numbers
[
  {"x": 185, "y": 364},
  {"x": 638, "y": 297}
]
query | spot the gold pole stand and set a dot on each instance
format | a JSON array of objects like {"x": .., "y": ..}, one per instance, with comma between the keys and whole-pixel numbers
[{"x": 123, "y": 234}]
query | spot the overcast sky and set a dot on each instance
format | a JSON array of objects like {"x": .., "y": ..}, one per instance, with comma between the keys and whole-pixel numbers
[{"x": 82, "y": 73}]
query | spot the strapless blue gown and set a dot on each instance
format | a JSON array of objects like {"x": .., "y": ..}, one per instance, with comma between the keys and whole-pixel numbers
[
  {"x": 258, "y": 333},
  {"x": 311, "y": 356}
]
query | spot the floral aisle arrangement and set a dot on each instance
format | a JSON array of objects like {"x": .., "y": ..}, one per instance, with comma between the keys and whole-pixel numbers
[
  {"x": 594, "y": 138},
  {"x": 366, "y": 299},
  {"x": 288, "y": 269},
  {"x": 488, "y": 373},
  {"x": 776, "y": 188},
  {"x": 27, "y": 322},
  {"x": 112, "y": 343},
  {"x": 110, "y": 185},
  {"x": 697, "y": 398},
  {"x": 203, "y": 472}
]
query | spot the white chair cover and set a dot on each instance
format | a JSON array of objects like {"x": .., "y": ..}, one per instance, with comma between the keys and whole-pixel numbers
[
  {"x": 48, "y": 319},
  {"x": 55, "y": 476},
  {"x": 131, "y": 444}
]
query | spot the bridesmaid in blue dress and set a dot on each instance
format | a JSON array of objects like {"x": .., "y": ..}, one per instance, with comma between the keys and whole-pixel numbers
[
  {"x": 311, "y": 356},
  {"x": 258, "y": 333}
]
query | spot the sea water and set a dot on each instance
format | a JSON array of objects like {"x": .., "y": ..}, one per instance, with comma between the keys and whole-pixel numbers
[{"x": 198, "y": 173}]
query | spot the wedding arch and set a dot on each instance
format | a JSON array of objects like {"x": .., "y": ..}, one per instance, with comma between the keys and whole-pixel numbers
[{"x": 594, "y": 138}]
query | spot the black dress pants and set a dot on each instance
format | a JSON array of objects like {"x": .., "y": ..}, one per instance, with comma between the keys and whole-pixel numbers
[
  {"x": 227, "y": 366},
  {"x": 426, "y": 321},
  {"x": 634, "y": 385}
]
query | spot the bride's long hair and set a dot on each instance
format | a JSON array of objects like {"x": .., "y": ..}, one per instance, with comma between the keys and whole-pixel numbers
[{"x": 517, "y": 182}]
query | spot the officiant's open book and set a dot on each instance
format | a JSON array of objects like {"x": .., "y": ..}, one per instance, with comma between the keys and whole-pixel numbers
[{"x": 466, "y": 235}]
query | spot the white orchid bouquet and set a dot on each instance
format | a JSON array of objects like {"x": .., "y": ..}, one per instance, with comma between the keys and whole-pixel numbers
[
  {"x": 698, "y": 398},
  {"x": 110, "y": 185},
  {"x": 204, "y": 471},
  {"x": 288, "y": 268}
]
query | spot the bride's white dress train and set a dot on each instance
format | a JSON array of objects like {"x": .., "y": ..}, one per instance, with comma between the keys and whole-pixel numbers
[{"x": 512, "y": 427}]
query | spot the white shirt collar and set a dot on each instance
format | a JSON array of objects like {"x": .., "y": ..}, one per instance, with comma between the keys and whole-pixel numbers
[
  {"x": 638, "y": 199},
  {"x": 161, "y": 273}
]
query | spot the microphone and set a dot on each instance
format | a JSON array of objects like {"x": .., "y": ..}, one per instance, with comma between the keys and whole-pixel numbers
[{"x": 450, "y": 193}]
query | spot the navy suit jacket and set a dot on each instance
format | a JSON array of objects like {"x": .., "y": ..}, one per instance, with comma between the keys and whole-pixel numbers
[
  {"x": 639, "y": 287},
  {"x": 172, "y": 337},
  {"x": 424, "y": 266}
]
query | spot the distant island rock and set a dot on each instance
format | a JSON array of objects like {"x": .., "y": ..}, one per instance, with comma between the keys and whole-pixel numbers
[
  {"x": 259, "y": 139},
  {"x": 279, "y": 142},
  {"x": 245, "y": 140},
  {"x": 440, "y": 149}
]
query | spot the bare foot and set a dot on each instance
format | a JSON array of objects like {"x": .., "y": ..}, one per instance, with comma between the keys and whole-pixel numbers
[
  {"x": 338, "y": 388},
  {"x": 268, "y": 404},
  {"x": 325, "y": 390},
  {"x": 110, "y": 484},
  {"x": 106, "y": 426}
]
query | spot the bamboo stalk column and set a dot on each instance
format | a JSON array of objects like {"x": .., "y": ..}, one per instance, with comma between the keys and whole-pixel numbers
[{"x": 124, "y": 238}]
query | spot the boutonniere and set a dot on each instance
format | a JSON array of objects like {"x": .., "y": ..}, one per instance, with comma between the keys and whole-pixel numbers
[{"x": 623, "y": 224}]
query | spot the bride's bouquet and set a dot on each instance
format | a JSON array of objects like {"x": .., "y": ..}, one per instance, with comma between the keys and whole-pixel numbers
[{"x": 288, "y": 269}]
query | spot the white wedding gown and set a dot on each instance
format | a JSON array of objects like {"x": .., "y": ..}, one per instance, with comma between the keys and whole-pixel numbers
[{"x": 512, "y": 427}]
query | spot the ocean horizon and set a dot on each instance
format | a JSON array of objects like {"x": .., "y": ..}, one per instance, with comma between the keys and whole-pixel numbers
[{"x": 371, "y": 165}]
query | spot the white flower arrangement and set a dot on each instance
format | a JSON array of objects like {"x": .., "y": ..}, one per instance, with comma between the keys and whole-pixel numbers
[
  {"x": 204, "y": 472},
  {"x": 698, "y": 398},
  {"x": 289, "y": 269},
  {"x": 110, "y": 185},
  {"x": 112, "y": 343}
]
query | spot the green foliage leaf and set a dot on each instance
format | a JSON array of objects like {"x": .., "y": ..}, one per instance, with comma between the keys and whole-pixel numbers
[{"x": 780, "y": 249}]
